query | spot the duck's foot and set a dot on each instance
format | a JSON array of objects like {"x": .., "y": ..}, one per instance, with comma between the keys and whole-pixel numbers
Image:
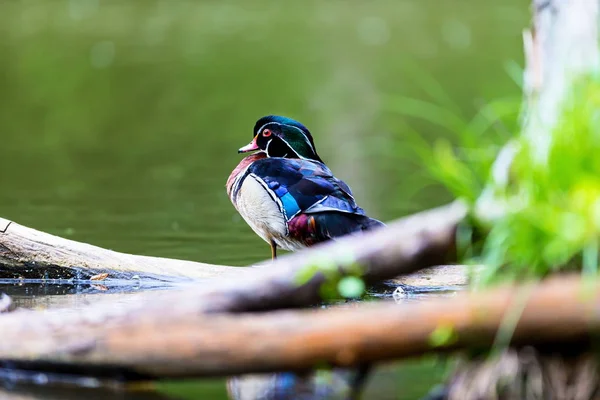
[{"x": 273, "y": 250}]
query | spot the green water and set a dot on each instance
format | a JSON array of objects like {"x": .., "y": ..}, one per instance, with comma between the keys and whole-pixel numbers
[{"x": 120, "y": 121}]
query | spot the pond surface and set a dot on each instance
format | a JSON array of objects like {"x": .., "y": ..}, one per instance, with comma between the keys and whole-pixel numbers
[{"x": 120, "y": 121}]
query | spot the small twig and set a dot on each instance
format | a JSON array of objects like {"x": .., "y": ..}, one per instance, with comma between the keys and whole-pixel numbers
[
  {"x": 99, "y": 277},
  {"x": 4, "y": 224}
]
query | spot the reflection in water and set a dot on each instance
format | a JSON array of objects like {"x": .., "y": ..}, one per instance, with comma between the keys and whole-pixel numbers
[
  {"x": 36, "y": 295},
  {"x": 408, "y": 380},
  {"x": 334, "y": 384}
]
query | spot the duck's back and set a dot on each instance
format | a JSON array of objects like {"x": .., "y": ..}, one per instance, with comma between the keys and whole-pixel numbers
[{"x": 295, "y": 203}]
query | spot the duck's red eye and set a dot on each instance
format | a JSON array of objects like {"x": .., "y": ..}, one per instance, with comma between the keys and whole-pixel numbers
[{"x": 267, "y": 133}]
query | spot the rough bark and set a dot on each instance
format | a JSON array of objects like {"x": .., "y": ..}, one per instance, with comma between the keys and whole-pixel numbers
[
  {"x": 168, "y": 339},
  {"x": 26, "y": 253}
]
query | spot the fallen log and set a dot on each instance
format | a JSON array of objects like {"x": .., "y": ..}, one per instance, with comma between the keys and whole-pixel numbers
[
  {"x": 172, "y": 340},
  {"x": 405, "y": 246},
  {"x": 29, "y": 254},
  {"x": 26, "y": 253}
]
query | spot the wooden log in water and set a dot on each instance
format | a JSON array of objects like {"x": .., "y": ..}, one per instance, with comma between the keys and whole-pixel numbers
[
  {"x": 405, "y": 246},
  {"x": 171, "y": 339},
  {"x": 26, "y": 253}
]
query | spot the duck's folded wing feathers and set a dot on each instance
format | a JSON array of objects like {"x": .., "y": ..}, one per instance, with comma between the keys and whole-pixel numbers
[{"x": 304, "y": 186}]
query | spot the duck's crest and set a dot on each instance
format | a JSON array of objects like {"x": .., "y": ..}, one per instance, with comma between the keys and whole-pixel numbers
[{"x": 280, "y": 120}]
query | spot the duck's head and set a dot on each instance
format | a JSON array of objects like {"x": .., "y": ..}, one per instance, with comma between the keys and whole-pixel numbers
[{"x": 282, "y": 137}]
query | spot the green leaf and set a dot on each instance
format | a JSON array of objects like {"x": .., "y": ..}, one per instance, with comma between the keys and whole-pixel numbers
[
  {"x": 306, "y": 273},
  {"x": 443, "y": 335},
  {"x": 351, "y": 287},
  {"x": 328, "y": 290},
  {"x": 345, "y": 257},
  {"x": 319, "y": 263}
]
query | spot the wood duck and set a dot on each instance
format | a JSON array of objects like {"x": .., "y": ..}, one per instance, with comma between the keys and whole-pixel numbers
[{"x": 287, "y": 194}]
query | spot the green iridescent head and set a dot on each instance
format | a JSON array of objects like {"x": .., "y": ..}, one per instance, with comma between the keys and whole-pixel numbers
[{"x": 282, "y": 137}]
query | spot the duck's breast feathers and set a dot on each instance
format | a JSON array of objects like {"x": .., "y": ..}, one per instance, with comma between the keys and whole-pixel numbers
[
  {"x": 240, "y": 169},
  {"x": 304, "y": 186}
]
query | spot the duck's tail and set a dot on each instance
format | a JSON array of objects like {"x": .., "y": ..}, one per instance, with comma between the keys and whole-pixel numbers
[
  {"x": 371, "y": 223},
  {"x": 335, "y": 224}
]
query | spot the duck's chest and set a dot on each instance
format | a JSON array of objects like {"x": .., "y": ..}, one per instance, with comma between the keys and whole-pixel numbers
[{"x": 259, "y": 207}]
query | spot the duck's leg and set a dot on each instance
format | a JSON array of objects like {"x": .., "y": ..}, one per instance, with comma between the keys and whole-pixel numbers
[{"x": 273, "y": 250}]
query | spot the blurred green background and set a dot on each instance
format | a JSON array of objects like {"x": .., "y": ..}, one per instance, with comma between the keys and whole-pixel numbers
[{"x": 120, "y": 120}]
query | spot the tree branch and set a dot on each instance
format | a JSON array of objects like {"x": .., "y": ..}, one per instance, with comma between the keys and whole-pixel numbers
[{"x": 168, "y": 339}]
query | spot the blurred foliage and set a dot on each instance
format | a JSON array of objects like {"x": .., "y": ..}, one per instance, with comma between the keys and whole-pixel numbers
[
  {"x": 336, "y": 285},
  {"x": 550, "y": 211},
  {"x": 443, "y": 336},
  {"x": 462, "y": 160}
]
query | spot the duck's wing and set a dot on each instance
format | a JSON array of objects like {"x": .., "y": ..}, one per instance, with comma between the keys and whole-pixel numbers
[{"x": 303, "y": 186}]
